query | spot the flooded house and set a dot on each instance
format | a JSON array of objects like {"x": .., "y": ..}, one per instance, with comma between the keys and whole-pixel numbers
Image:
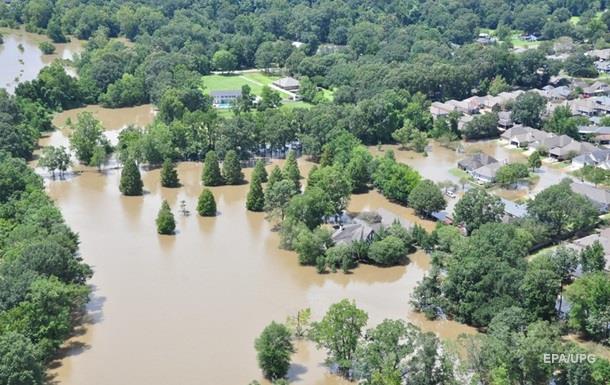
[
  {"x": 600, "y": 197},
  {"x": 365, "y": 225}
]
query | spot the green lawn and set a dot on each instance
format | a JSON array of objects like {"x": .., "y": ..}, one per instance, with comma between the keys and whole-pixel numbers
[{"x": 256, "y": 81}]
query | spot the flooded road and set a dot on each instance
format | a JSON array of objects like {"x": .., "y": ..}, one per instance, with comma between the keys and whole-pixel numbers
[
  {"x": 186, "y": 309},
  {"x": 22, "y": 60}
]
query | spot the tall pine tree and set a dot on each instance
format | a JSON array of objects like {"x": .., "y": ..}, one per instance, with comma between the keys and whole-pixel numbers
[
  {"x": 131, "y": 182},
  {"x": 255, "y": 200},
  {"x": 291, "y": 170},
  {"x": 211, "y": 171},
  {"x": 169, "y": 176},
  {"x": 166, "y": 224},
  {"x": 260, "y": 171},
  {"x": 231, "y": 169}
]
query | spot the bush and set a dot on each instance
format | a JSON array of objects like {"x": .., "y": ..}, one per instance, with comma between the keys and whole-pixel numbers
[
  {"x": 206, "y": 205},
  {"x": 166, "y": 224},
  {"x": 47, "y": 48},
  {"x": 388, "y": 251}
]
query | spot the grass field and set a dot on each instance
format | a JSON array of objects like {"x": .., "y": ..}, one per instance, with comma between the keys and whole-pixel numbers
[{"x": 256, "y": 81}]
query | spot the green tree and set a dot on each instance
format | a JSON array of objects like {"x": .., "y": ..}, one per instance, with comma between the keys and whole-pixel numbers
[
  {"x": 589, "y": 298},
  {"x": 206, "y": 204},
  {"x": 339, "y": 332},
  {"x": 482, "y": 126},
  {"x": 387, "y": 251},
  {"x": 98, "y": 158},
  {"x": 211, "y": 171},
  {"x": 498, "y": 85},
  {"x": 277, "y": 197},
  {"x": 273, "y": 350},
  {"x": 166, "y": 224},
  {"x": 86, "y": 136},
  {"x": 539, "y": 288},
  {"x": 224, "y": 61},
  {"x": 383, "y": 350},
  {"x": 275, "y": 176},
  {"x": 395, "y": 180},
  {"x": 593, "y": 258},
  {"x": 46, "y": 48},
  {"x": 511, "y": 173},
  {"x": 54, "y": 31},
  {"x": 131, "y": 182},
  {"x": 528, "y": 109},
  {"x": 562, "y": 210},
  {"x": 312, "y": 245},
  {"x": 432, "y": 365},
  {"x": 310, "y": 207},
  {"x": 534, "y": 161},
  {"x": 255, "y": 200},
  {"x": 291, "y": 170},
  {"x": 231, "y": 169},
  {"x": 426, "y": 198},
  {"x": 169, "y": 175},
  {"x": 335, "y": 184},
  {"x": 259, "y": 171},
  {"x": 476, "y": 208},
  {"x": 269, "y": 99},
  {"x": 55, "y": 158},
  {"x": 19, "y": 361},
  {"x": 359, "y": 169},
  {"x": 562, "y": 122}
]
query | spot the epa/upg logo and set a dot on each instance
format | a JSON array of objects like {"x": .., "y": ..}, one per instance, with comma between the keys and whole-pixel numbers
[{"x": 569, "y": 358}]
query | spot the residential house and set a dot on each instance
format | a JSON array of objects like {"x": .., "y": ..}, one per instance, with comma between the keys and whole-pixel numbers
[
  {"x": 468, "y": 106},
  {"x": 438, "y": 109},
  {"x": 585, "y": 107},
  {"x": 224, "y": 99},
  {"x": 366, "y": 225},
  {"x": 602, "y": 66},
  {"x": 505, "y": 120},
  {"x": 598, "y": 158},
  {"x": 600, "y": 54},
  {"x": 487, "y": 173},
  {"x": 597, "y": 89},
  {"x": 513, "y": 210},
  {"x": 600, "y": 197},
  {"x": 523, "y": 136},
  {"x": 463, "y": 120},
  {"x": 571, "y": 150},
  {"x": 476, "y": 161},
  {"x": 603, "y": 237},
  {"x": 599, "y": 134},
  {"x": 556, "y": 93},
  {"x": 288, "y": 84}
]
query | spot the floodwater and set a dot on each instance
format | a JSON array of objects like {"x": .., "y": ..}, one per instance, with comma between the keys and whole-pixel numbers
[
  {"x": 19, "y": 65},
  {"x": 440, "y": 162},
  {"x": 186, "y": 309}
]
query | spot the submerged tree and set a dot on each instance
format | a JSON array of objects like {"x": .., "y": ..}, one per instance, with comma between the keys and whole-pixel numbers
[
  {"x": 169, "y": 175},
  {"x": 211, "y": 171},
  {"x": 273, "y": 350},
  {"x": 206, "y": 205},
  {"x": 260, "y": 171},
  {"x": 131, "y": 182},
  {"x": 255, "y": 201},
  {"x": 166, "y": 224},
  {"x": 291, "y": 170},
  {"x": 231, "y": 169}
]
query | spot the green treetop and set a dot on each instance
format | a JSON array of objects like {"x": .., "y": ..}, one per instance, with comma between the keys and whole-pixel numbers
[
  {"x": 166, "y": 224},
  {"x": 169, "y": 176},
  {"x": 131, "y": 182},
  {"x": 231, "y": 169},
  {"x": 206, "y": 205},
  {"x": 291, "y": 169},
  {"x": 273, "y": 350},
  {"x": 260, "y": 171},
  {"x": 255, "y": 200},
  {"x": 211, "y": 171}
]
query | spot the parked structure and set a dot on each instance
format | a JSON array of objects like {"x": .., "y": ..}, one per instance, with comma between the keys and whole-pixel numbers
[
  {"x": 224, "y": 99},
  {"x": 288, "y": 84}
]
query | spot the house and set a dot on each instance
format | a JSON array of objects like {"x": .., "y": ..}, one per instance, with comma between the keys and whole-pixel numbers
[
  {"x": 602, "y": 66},
  {"x": 468, "y": 106},
  {"x": 288, "y": 84},
  {"x": 597, "y": 89},
  {"x": 600, "y": 54},
  {"x": 585, "y": 107},
  {"x": 224, "y": 99},
  {"x": 487, "y": 173},
  {"x": 598, "y": 196},
  {"x": 505, "y": 120},
  {"x": 475, "y": 162},
  {"x": 513, "y": 210},
  {"x": 571, "y": 150},
  {"x": 557, "y": 93},
  {"x": 438, "y": 109},
  {"x": 551, "y": 141},
  {"x": 598, "y": 158},
  {"x": 523, "y": 136},
  {"x": 366, "y": 225},
  {"x": 463, "y": 120},
  {"x": 603, "y": 237},
  {"x": 599, "y": 134}
]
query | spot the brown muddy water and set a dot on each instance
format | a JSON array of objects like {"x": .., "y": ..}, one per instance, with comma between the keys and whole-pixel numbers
[
  {"x": 19, "y": 65},
  {"x": 186, "y": 309}
]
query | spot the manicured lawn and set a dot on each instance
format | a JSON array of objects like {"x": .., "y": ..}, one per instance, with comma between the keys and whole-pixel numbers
[{"x": 256, "y": 81}]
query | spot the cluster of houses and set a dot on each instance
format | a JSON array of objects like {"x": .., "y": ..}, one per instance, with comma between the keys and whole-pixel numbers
[
  {"x": 601, "y": 58},
  {"x": 226, "y": 98}
]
